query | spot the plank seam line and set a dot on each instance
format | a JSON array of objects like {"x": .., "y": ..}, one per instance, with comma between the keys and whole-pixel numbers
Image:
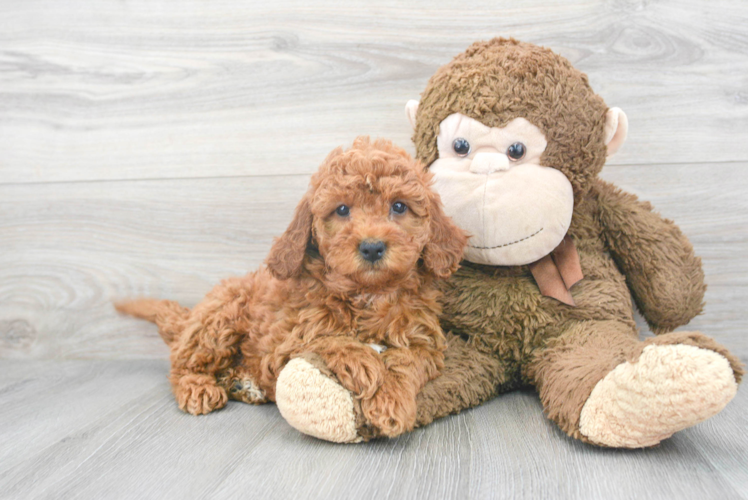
[{"x": 308, "y": 174}]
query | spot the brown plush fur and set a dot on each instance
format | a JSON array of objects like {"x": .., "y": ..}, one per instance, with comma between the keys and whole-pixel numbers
[
  {"x": 512, "y": 334},
  {"x": 499, "y": 80},
  {"x": 320, "y": 299}
]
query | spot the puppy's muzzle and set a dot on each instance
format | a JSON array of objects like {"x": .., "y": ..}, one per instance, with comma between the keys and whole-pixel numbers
[{"x": 372, "y": 250}]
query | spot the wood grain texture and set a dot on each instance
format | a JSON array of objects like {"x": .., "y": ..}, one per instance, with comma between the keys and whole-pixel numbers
[
  {"x": 69, "y": 249},
  {"x": 110, "y": 429},
  {"x": 154, "y": 148},
  {"x": 146, "y": 89}
]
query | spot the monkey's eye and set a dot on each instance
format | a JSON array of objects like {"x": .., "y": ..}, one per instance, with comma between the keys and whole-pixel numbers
[
  {"x": 343, "y": 210},
  {"x": 516, "y": 151},
  {"x": 461, "y": 146},
  {"x": 399, "y": 207}
]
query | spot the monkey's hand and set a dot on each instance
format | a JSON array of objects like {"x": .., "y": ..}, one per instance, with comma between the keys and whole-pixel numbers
[{"x": 664, "y": 275}]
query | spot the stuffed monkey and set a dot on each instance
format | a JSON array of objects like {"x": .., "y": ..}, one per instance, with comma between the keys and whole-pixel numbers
[{"x": 515, "y": 138}]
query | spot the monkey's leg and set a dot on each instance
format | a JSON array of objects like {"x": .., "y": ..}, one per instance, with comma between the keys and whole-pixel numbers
[
  {"x": 602, "y": 385},
  {"x": 468, "y": 379},
  {"x": 320, "y": 386},
  {"x": 313, "y": 401}
]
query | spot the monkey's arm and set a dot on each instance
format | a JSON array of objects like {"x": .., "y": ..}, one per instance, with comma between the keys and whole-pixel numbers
[{"x": 662, "y": 272}]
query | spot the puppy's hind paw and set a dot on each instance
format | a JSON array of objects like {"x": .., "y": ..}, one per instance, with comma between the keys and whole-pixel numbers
[{"x": 199, "y": 394}]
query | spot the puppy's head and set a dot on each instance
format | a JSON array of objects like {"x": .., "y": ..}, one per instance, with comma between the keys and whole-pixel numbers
[{"x": 371, "y": 215}]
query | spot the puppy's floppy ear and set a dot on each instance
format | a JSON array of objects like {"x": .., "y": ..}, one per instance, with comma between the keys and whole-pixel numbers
[
  {"x": 443, "y": 253},
  {"x": 287, "y": 254}
]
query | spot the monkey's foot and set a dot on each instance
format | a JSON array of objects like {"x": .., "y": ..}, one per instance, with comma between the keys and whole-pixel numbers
[
  {"x": 669, "y": 388},
  {"x": 313, "y": 402}
]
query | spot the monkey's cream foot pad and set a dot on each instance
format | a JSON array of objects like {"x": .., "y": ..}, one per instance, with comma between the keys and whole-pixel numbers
[
  {"x": 315, "y": 404},
  {"x": 669, "y": 388}
]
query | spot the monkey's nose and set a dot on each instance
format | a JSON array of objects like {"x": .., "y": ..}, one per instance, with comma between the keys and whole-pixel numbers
[
  {"x": 487, "y": 163},
  {"x": 372, "y": 250}
]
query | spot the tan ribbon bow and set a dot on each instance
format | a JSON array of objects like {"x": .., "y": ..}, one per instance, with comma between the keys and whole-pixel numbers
[{"x": 558, "y": 271}]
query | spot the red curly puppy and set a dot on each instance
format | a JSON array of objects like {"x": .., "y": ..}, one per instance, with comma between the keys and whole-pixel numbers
[{"x": 357, "y": 266}]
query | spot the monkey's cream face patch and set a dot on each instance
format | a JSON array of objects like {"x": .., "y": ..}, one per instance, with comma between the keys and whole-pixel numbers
[{"x": 516, "y": 211}]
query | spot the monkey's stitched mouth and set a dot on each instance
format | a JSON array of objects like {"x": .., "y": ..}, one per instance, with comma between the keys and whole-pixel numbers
[{"x": 508, "y": 244}]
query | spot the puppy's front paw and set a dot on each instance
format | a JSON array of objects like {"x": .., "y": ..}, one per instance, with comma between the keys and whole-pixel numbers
[
  {"x": 391, "y": 411},
  {"x": 199, "y": 394},
  {"x": 314, "y": 403}
]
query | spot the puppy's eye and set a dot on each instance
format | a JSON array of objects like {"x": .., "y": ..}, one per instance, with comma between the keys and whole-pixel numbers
[
  {"x": 399, "y": 207},
  {"x": 343, "y": 211},
  {"x": 516, "y": 151},
  {"x": 461, "y": 146}
]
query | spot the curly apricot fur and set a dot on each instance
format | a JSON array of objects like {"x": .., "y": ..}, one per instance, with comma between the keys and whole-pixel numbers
[{"x": 318, "y": 295}]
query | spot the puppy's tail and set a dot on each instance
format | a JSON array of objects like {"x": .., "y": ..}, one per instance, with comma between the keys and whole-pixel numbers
[{"x": 168, "y": 315}]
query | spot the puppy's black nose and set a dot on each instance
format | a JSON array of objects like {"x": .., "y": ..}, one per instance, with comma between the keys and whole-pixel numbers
[{"x": 372, "y": 250}]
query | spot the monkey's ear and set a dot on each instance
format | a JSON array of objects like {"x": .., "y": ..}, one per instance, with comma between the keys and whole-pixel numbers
[
  {"x": 287, "y": 253},
  {"x": 411, "y": 107},
  {"x": 443, "y": 253},
  {"x": 616, "y": 128}
]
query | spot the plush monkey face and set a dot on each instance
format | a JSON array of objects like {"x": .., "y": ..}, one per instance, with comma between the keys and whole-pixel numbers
[
  {"x": 493, "y": 186},
  {"x": 513, "y": 135}
]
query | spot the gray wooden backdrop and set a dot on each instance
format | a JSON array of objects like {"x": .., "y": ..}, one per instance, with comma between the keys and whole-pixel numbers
[{"x": 155, "y": 147}]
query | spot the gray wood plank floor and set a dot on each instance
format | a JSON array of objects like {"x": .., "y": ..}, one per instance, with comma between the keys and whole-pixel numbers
[
  {"x": 110, "y": 429},
  {"x": 153, "y": 148}
]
